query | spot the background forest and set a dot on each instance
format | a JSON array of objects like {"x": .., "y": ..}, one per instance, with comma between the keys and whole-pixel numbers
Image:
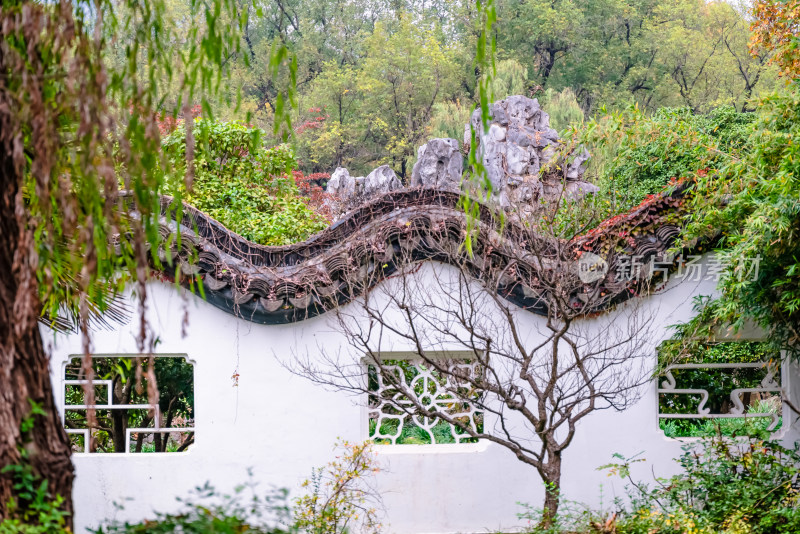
[{"x": 377, "y": 78}]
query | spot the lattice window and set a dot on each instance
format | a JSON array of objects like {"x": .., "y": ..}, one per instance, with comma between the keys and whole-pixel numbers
[
  {"x": 125, "y": 421},
  {"x": 393, "y": 417},
  {"x": 732, "y": 388}
]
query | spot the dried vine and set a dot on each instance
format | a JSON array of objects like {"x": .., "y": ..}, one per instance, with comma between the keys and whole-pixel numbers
[{"x": 276, "y": 285}]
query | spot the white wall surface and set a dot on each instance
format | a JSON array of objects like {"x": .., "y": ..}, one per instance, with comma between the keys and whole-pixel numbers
[{"x": 282, "y": 425}]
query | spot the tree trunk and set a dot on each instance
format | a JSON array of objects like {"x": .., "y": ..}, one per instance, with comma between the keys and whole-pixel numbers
[
  {"x": 119, "y": 418},
  {"x": 156, "y": 442},
  {"x": 140, "y": 437},
  {"x": 551, "y": 476},
  {"x": 24, "y": 366},
  {"x": 549, "y": 62},
  {"x": 119, "y": 425}
]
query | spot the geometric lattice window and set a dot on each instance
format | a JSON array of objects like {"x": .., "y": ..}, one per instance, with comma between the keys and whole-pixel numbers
[
  {"x": 729, "y": 388},
  {"x": 124, "y": 419},
  {"x": 393, "y": 417}
]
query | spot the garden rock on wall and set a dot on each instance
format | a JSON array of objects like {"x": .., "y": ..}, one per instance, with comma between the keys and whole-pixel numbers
[
  {"x": 341, "y": 184},
  {"x": 347, "y": 192},
  {"x": 381, "y": 180},
  {"x": 519, "y": 143},
  {"x": 518, "y": 147},
  {"x": 439, "y": 164}
]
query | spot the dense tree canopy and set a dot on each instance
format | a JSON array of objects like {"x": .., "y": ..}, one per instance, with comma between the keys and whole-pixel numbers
[
  {"x": 356, "y": 62},
  {"x": 752, "y": 209}
]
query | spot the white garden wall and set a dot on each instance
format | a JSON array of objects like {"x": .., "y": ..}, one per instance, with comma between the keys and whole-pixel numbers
[{"x": 282, "y": 425}]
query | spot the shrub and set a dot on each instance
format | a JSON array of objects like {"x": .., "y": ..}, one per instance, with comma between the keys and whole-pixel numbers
[
  {"x": 563, "y": 108},
  {"x": 725, "y": 487},
  {"x": 735, "y": 426},
  {"x": 510, "y": 78},
  {"x": 246, "y": 186},
  {"x": 207, "y": 511},
  {"x": 32, "y": 509},
  {"x": 752, "y": 210},
  {"x": 341, "y": 499},
  {"x": 449, "y": 119},
  {"x": 573, "y": 518}
]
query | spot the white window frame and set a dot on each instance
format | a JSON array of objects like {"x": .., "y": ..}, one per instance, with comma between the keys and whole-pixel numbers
[
  {"x": 109, "y": 405},
  {"x": 411, "y": 448},
  {"x": 665, "y": 386}
]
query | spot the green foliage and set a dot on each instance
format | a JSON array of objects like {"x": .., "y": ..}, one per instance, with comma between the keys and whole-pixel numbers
[
  {"x": 331, "y": 134},
  {"x": 244, "y": 185},
  {"x": 635, "y": 155},
  {"x": 752, "y": 208},
  {"x": 281, "y": 57},
  {"x": 363, "y": 60},
  {"x": 732, "y": 427},
  {"x": 33, "y": 509},
  {"x": 673, "y": 351},
  {"x": 405, "y": 71},
  {"x": 656, "y": 54},
  {"x": 377, "y": 112},
  {"x": 107, "y": 124},
  {"x": 510, "y": 78},
  {"x": 718, "y": 383},
  {"x": 724, "y": 487},
  {"x": 340, "y": 499},
  {"x": 209, "y": 512},
  {"x": 449, "y": 119},
  {"x": 415, "y": 435},
  {"x": 563, "y": 108},
  {"x": 573, "y": 518}
]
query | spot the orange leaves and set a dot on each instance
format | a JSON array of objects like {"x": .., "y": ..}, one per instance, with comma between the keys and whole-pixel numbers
[{"x": 776, "y": 28}]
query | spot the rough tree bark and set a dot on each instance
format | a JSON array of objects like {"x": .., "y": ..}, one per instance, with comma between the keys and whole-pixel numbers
[
  {"x": 24, "y": 365},
  {"x": 551, "y": 476}
]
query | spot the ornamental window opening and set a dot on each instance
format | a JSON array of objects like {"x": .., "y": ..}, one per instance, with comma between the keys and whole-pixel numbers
[
  {"x": 403, "y": 391},
  {"x": 726, "y": 388},
  {"x": 125, "y": 421}
]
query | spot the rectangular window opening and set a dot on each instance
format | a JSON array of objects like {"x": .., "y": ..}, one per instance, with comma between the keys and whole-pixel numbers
[
  {"x": 727, "y": 388},
  {"x": 125, "y": 421}
]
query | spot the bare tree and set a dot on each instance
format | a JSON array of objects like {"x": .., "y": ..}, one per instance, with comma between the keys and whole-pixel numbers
[{"x": 530, "y": 378}]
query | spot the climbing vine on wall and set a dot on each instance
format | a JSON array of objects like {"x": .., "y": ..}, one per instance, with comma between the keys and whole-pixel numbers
[{"x": 635, "y": 155}]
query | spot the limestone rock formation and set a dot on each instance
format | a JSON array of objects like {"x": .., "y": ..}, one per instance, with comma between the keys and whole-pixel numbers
[
  {"x": 525, "y": 160},
  {"x": 341, "y": 184},
  {"x": 439, "y": 164},
  {"x": 518, "y": 144},
  {"x": 381, "y": 180},
  {"x": 577, "y": 167},
  {"x": 579, "y": 189},
  {"x": 346, "y": 192}
]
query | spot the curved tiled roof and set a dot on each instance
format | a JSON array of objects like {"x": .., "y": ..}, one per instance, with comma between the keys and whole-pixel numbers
[{"x": 284, "y": 284}]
